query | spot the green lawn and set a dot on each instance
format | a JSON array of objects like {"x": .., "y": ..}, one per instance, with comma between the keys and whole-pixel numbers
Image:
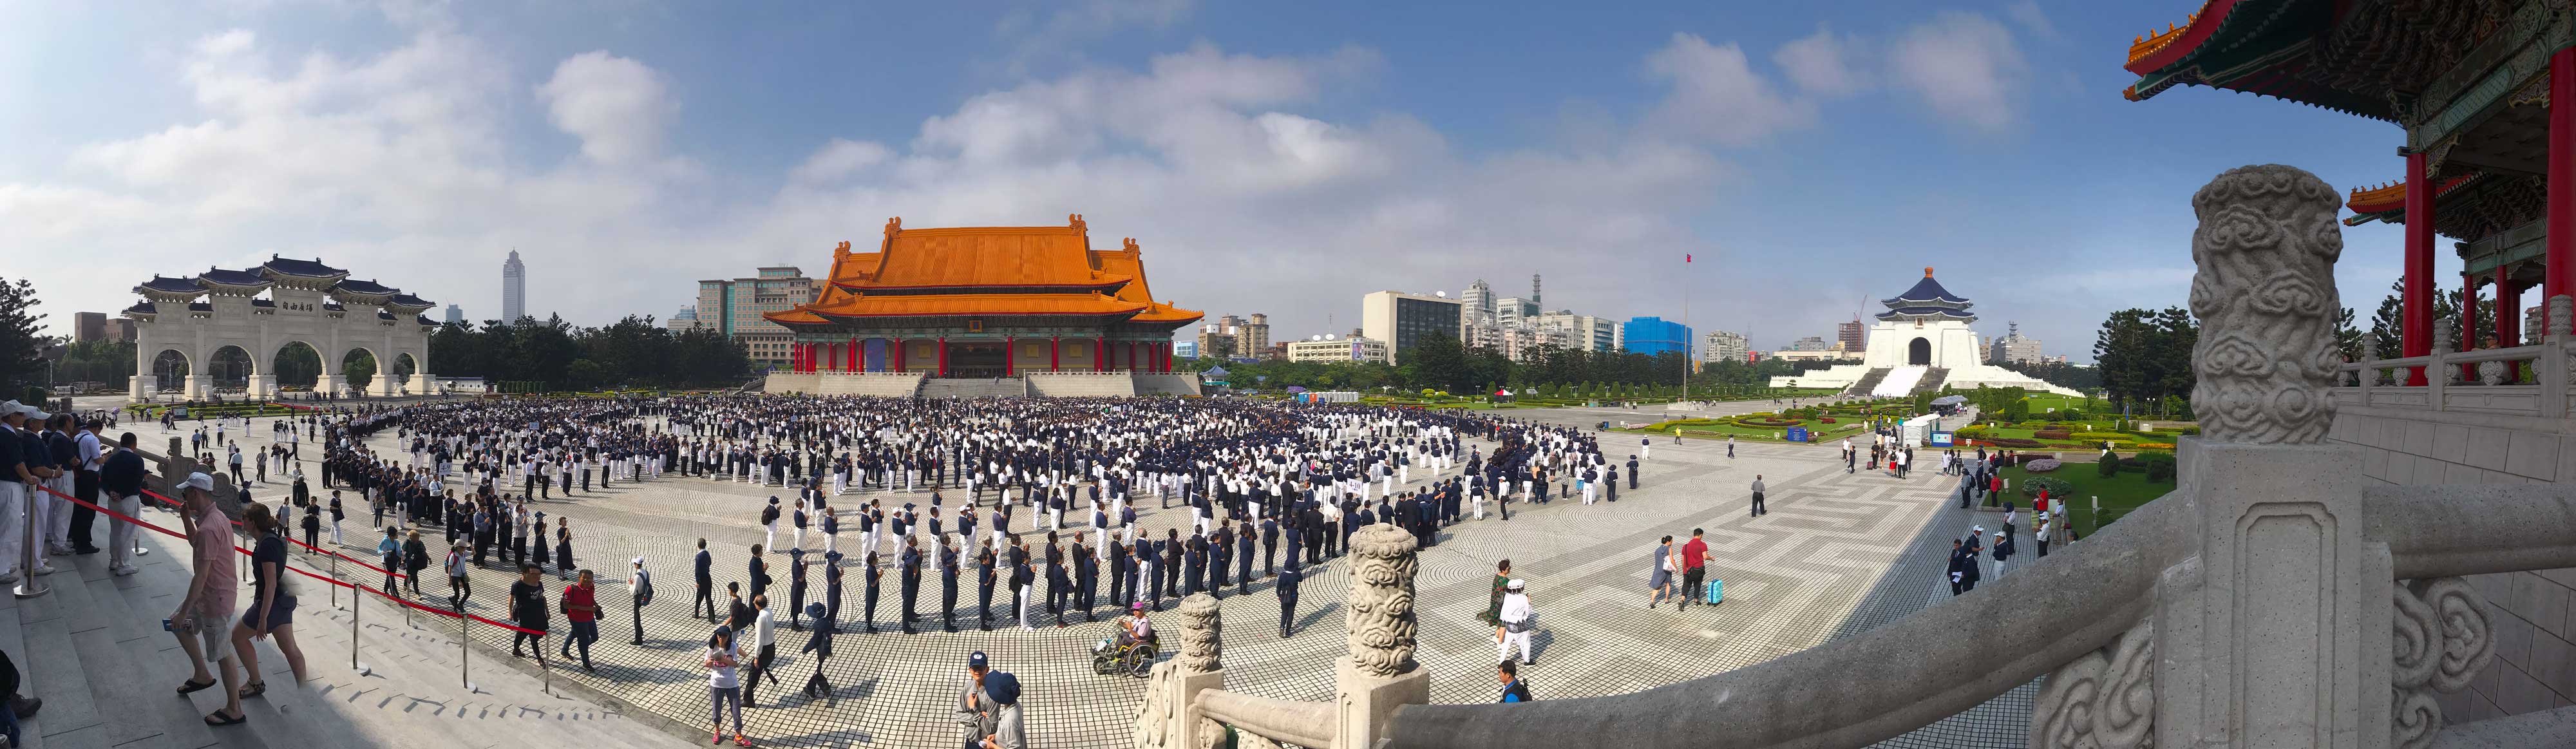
[{"x": 2120, "y": 493}]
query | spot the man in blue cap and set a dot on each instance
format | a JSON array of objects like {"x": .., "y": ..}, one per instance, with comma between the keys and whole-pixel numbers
[
  {"x": 975, "y": 708},
  {"x": 820, "y": 644}
]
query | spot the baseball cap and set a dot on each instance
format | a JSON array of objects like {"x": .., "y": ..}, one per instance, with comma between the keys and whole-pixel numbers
[
  {"x": 199, "y": 481},
  {"x": 1515, "y": 584},
  {"x": 975, "y": 659}
]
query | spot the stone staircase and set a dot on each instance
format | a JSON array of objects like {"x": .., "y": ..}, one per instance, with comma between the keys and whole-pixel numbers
[
  {"x": 1174, "y": 383},
  {"x": 94, "y": 651},
  {"x": 1081, "y": 384},
  {"x": 1931, "y": 382},
  {"x": 948, "y": 387},
  {"x": 1866, "y": 383}
]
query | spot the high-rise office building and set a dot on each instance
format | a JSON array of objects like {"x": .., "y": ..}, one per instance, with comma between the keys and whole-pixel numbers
[
  {"x": 684, "y": 319},
  {"x": 88, "y": 326},
  {"x": 514, "y": 289},
  {"x": 1726, "y": 345},
  {"x": 1810, "y": 343},
  {"x": 1579, "y": 332},
  {"x": 1655, "y": 336},
  {"x": 734, "y": 308},
  {"x": 1401, "y": 319},
  {"x": 2012, "y": 348},
  {"x": 455, "y": 313}
]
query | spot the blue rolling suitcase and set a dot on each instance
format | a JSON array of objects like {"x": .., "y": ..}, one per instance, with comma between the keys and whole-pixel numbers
[{"x": 1716, "y": 591}]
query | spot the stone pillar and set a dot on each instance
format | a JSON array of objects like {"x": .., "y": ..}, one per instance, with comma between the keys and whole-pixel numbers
[
  {"x": 2469, "y": 323},
  {"x": 262, "y": 386},
  {"x": 1196, "y": 668},
  {"x": 423, "y": 383},
  {"x": 2508, "y": 323},
  {"x": 1378, "y": 674},
  {"x": 199, "y": 387},
  {"x": 327, "y": 382},
  {"x": 386, "y": 385},
  {"x": 2278, "y": 632},
  {"x": 139, "y": 388}
]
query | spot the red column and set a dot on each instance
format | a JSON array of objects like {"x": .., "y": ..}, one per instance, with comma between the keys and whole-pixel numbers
[
  {"x": 1167, "y": 356},
  {"x": 943, "y": 356},
  {"x": 1055, "y": 350},
  {"x": 894, "y": 351},
  {"x": 2417, "y": 326},
  {"x": 858, "y": 358},
  {"x": 2558, "y": 272},
  {"x": 2468, "y": 323},
  {"x": 797, "y": 356},
  {"x": 1100, "y": 353},
  {"x": 1007, "y": 353}
]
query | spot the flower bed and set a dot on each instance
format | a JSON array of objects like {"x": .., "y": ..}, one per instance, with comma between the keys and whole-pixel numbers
[
  {"x": 2052, "y": 434},
  {"x": 1771, "y": 423},
  {"x": 2042, "y": 465}
]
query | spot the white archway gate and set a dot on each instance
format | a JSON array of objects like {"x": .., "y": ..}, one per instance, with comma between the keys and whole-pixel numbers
[{"x": 307, "y": 302}]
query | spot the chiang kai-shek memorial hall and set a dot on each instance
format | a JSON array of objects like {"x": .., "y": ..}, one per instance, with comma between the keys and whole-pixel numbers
[{"x": 987, "y": 302}]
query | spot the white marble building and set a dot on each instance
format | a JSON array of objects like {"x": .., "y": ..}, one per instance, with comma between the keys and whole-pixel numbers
[
  {"x": 306, "y": 302},
  {"x": 1923, "y": 333}
]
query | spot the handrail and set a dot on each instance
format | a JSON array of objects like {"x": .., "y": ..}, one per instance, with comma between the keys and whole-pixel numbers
[
  {"x": 2459, "y": 530},
  {"x": 1876, "y": 685},
  {"x": 1303, "y": 723}
]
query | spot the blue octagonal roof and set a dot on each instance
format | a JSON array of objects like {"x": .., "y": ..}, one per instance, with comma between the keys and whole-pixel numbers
[{"x": 1926, "y": 290}]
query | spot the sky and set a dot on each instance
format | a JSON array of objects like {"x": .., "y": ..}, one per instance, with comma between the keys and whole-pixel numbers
[{"x": 1280, "y": 158}]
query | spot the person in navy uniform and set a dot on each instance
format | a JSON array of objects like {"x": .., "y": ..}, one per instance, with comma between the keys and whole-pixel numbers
[
  {"x": 706, "y": 579},
  {"x": 1220, "y": 551},
  {"x": 869, "y": 607},
  {"x": 908, "y": 568},
  {"x": 984, "y": 561},
  {"x": 1611, "y": 482},
  {"x": 795, "y": 588},
  {"x": 1270, "y": 546},
  {"x": 1161, "y": 558},
  {"x": 1119, "y": 569},
  {"x": 1173, "y": 549},
  {"x": 1295, "y": 537},
  {"x": 1059, "y": 584},
  {"x": 832, "y": 584},
  {"x": 1243, "y": 557},
  {"x": 1632, "y": 472},
  {"x": 1086, "y": 578},
  {"x": 1958, "y": 571},
  {"x": 947, "y": 586},
  {"x": 1288, "y": 579},
  {"x": 759, "y": 574}
]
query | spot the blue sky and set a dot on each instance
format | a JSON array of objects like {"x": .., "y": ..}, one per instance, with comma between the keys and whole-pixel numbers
[{"x": 1283, "y": 158}]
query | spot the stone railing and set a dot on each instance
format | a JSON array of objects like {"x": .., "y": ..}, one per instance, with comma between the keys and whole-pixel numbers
[
  {"x": 1188, "y": 707},
  {"x": 2495, "y": 382},
  {"x": 2276, "y": 598}
]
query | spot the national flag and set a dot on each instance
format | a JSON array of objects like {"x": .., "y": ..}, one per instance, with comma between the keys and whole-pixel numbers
[{"x": 1686, "y": 257}]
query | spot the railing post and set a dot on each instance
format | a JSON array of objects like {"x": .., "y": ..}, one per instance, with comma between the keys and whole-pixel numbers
[
  {"x": 29, "y": 553},
  {"x": 1378, "y": 675},
  {"x": 335, "y": 577},
  {"x": 465, "y": 650},
  {"x": 2436, "y": 376}
]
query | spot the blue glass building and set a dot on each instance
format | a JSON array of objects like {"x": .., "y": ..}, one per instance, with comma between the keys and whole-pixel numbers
[{"x": 1656, "y": 335}]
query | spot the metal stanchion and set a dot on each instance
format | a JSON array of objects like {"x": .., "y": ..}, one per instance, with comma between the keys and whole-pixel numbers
[
  {"x": 355, "y": 601},
  {"x": 28, "y": 553},
  {"x": 335, "y": 576},
  {"x": 464, "y": 650}
]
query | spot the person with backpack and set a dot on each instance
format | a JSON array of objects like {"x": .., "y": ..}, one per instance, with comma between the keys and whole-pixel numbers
[
  {"x": 459, "y": 587},
  {"x": 640, "y": 582},
  {"x": 1514, "y": 690},
  {"x": 389, "y": 553}
]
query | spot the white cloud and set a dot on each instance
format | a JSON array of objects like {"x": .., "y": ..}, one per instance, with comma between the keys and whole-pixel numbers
[
  {"x": 2028, "y": 14},
  {"x": 1964, "y": 66},
  {"x": 839, "y": 159},
  {"x": 1717, "y": 96},
  {"x": 1820, "y": 64},
  {"x": 616, "y": 106}
]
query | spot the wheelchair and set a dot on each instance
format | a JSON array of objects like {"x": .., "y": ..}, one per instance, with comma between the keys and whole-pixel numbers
[{"x": 1136, "y": 659}]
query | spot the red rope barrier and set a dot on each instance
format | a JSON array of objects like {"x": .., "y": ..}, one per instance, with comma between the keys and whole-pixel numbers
[{"x": 246, "y": 552}]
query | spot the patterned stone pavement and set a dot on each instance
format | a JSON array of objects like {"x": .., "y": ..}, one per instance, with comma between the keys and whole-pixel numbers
[{"x": 1836, "y": 555}]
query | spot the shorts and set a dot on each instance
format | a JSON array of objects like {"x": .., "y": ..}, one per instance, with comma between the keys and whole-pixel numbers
[
  {"x": 282, "y": 615},
  {"x": 215, "y": 633}
]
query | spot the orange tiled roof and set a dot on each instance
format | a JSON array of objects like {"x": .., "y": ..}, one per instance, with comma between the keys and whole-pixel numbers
[
  {"x": 2392, "y": 196},
  {"x": 987, "y": 271},
  {"x": 925, "y": 305},
  {"x": 973, "y": 256}
]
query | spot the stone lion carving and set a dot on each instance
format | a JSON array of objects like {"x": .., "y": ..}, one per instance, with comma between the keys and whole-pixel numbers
[
  {"x": 2265, "y": 293},
  {"x": 2442, "y": 639},
  {"x": 1199, "y": 634},
  {"x": 1381, "y": 604},
  {"x": 2104, "y": 700}
]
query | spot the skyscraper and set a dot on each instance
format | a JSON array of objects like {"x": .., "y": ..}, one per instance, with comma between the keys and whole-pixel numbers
[
  {"x": 514, "y": 289},
  {"x": 455, "y": 313},
  {"x": 685, "y": 319},
  {"x": 1851, "y": 335}
]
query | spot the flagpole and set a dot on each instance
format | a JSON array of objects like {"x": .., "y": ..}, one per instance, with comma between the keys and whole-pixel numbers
[{"x": 1686, "y": 329}]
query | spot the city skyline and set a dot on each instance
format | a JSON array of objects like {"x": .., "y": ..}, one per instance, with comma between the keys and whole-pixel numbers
[{"x": 1259, "y": 151}]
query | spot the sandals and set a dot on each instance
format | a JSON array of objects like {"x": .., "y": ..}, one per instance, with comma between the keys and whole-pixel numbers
[
  {"x": 254, "y": 689},
  {"x": 191, "y": 686},
  {"x": 216, "y": 719}
]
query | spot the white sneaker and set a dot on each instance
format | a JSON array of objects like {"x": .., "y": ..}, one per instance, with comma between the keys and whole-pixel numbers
[
  {"x": 44, "y": 569},
  {"x": 122, "y": 570}
]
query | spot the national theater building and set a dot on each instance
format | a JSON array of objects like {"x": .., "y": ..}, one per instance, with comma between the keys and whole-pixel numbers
[{"x": 981, "y": 302}]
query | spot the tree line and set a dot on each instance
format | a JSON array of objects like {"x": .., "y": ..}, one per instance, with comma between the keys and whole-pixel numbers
[
  {"x": 1439, "y": 362},
  {"x": 551, "y": 354}
]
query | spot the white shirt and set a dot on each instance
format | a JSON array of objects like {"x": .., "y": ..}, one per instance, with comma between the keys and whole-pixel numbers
[
  {"x": 1516, "y": 607},
  {"x": 764, "y": 630}
]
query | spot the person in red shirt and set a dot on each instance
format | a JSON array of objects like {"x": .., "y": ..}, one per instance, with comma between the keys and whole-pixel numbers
[
  {"x": 581, "y": 607},
  {"x": 1694, "y": 560}
]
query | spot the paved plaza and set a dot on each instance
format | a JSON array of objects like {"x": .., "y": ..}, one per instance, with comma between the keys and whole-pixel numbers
[{"x": 1836, "y": 555}]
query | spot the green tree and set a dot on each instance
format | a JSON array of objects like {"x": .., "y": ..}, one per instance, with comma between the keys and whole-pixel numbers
[{"x": 22, "y": 339}]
